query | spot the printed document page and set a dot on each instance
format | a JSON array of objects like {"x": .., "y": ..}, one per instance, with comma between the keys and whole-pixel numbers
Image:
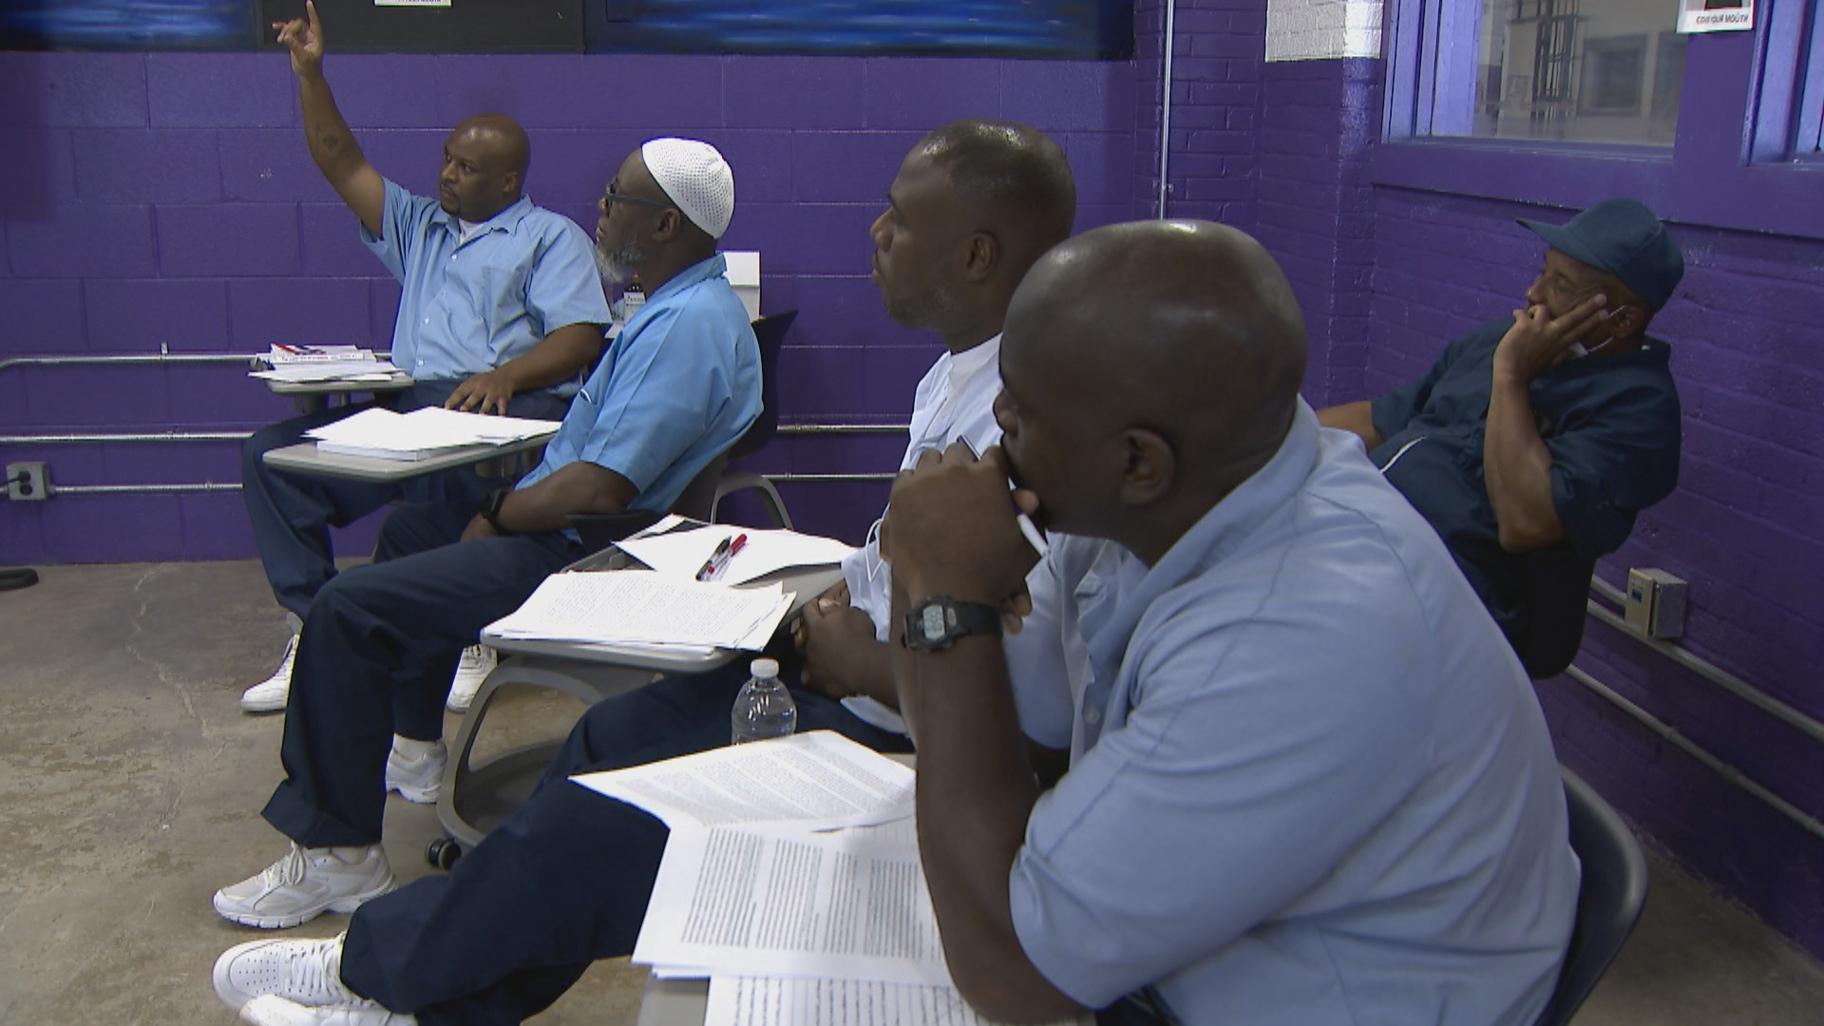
[
  {"x": 646, "y": 609},
  {"x": 776, "y": 1001},
  {"x": 836, "y": 904},
  {"x": 684, "y": 553},
  {"x": 819, "y": 779}
]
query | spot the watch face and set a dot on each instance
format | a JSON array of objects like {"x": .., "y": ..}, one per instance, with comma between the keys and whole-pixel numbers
[{"x": 931, "y": 621}]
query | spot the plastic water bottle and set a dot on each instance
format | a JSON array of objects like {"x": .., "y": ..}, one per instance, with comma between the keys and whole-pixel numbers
[{"x": 764, "y": 708}]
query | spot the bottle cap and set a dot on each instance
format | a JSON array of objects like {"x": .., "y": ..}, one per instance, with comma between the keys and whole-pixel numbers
[{"x": 765, "y": 668}]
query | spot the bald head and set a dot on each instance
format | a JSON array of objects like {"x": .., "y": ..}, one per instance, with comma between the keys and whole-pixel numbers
[
  {"x": 485, "y": 159},
  {"x": 503, "y": 137},
  {"x": 1172, "y": 345}
]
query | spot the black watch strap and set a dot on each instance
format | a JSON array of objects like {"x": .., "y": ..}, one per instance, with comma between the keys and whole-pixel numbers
[
  {"x": 490, "y": 510},
  {"x": 937, "y": 622}
]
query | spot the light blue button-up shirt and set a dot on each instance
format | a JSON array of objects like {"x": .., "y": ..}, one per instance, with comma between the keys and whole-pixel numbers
[
  {"x": 678, "y": 386},
  {"x": 468, "y": 307},
  {"x": 1309, "y": 784}
]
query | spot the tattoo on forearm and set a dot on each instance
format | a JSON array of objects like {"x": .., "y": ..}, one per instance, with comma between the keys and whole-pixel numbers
[{"x": 330, "y": 141}]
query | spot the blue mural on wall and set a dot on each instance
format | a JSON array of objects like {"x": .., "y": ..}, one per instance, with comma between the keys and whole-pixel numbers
[
  {"x": 1009, "y": 28},
  {"x": 1019, "y": 28},
  {"x": 127, "y": 24}
]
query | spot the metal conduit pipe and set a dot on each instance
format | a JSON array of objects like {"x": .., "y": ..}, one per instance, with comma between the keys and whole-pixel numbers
[
  {"x": 143, "y": 489},
  {"x": 244, "y": 359},
  {"x": 1684, "y": 744},
  {"x": 1808, "y": 725},
  {"x": 1165, "y": 108},
  {"x": 111, "y": 439}
]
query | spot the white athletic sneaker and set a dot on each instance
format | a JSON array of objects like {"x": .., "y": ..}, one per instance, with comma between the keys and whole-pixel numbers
[
  {"x": 477, "y": 662},
  {"x": 269, "y": 695},
  {"x": 304, "y": 884},
  {"x": 306, "y": 971},
  {"x": 415, "y": 769},
  {"x": 272, "y": 1010}
]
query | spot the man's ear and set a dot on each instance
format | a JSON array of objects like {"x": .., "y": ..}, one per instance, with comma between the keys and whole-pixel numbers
[
  {"x": 1150, "y": 468},
  {"x": 980, "y": 256},
  {"x": 509, "y": 184},
  {"x": 670, "y": 222},
  {"x": 1628, "y": 320}
]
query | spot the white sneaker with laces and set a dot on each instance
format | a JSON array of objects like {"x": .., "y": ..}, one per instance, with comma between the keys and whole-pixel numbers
[
  {"x": 304, "y": 884},
  {"x": 272, "y": 1010},
  {"x": 477, "y": 662},
  {"x": 270, "y": 694},
  {"x": 306, "y": 971},
  {"x": 415, "y": 769}
]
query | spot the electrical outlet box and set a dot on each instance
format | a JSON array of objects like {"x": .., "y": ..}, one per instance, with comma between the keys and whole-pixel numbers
[
  {"x": 35, "y": 486},
  {"x": 1655, "y": 603}
]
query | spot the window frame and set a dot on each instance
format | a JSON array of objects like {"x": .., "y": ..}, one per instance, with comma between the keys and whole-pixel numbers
[{"x": 1745, "y": 154}]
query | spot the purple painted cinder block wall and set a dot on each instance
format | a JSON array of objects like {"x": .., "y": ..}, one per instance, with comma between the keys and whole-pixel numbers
[{"x": 169, "y": 199}]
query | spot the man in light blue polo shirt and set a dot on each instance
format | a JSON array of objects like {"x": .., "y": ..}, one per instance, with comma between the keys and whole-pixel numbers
[
  {"x": 1309, "y": 783},
  {"x": 679, "y": 385},
  {"x": 500, "y": 310}
]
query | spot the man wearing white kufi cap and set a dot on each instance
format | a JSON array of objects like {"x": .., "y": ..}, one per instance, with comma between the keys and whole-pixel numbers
[{"x": 678, "y": 386}]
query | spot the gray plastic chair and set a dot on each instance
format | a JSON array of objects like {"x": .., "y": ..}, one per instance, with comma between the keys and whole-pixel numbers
[{"x": 1609, "y": 903}]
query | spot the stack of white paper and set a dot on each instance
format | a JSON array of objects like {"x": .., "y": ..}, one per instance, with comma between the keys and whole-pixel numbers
[
  {"x": 791, "y": 879},
  {"x": 297, "y": 363},
  {"x": 642, "y": 609},
  {"x": 683, "y": 553},
  {"x": 384, "y": 434}
]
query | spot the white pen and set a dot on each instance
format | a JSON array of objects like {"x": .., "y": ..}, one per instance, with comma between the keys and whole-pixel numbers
[{"x": 1028, "y": 529}]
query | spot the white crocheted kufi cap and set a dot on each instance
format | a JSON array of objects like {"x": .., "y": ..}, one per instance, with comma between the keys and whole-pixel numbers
[{"x": 696, "y": 178}]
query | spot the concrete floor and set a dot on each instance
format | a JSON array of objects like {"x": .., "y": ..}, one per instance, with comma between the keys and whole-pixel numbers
[{"x": 130, "y": 783}]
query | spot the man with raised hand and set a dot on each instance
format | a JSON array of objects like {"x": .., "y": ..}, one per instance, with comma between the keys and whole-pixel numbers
[
  {"x": 500, "y": 311},
  {"x": 1307, "y": 784},
  {"x": 365, "y": 715},
  {"x": 566, "y": 878}
]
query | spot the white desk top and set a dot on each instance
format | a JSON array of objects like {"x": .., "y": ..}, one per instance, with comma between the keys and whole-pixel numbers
[
  {"x": 806, "y": 583},
  {"x": 399, "y": 381},
  {"x": 306, "y": 458}
]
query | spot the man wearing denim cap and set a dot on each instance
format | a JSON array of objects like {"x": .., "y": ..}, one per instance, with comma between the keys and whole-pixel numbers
[{"x": 1534, "y": 440}]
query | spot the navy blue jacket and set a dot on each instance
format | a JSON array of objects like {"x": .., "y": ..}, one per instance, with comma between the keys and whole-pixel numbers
[{"x": 1612, "y": 426}]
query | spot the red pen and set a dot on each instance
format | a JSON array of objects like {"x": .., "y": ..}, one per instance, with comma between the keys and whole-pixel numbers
[{"x": 718, "y": 560}]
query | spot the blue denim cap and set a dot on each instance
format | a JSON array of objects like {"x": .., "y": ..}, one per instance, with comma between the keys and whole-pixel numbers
[{"x": 1624, "y": 238}]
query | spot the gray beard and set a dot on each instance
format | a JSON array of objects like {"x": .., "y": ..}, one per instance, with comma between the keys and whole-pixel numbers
[{"x": 616, "y": 267}]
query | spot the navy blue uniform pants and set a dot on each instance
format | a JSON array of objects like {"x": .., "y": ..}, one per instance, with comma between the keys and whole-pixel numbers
[
  {"x": 291, "y": 514},
  {"x": 375, "y": 658},
  {"x": 565, "y": 879}
]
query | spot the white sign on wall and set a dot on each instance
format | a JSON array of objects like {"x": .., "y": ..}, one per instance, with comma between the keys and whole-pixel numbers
[
  {"x": 1715, "y": 15},
  {"x": 1315, "y": 30},
  {"x": 411, "y": 3}
]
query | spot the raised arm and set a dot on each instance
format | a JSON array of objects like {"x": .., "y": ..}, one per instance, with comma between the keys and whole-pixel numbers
[
  {"x": 1516, "y": 465},
  {"x": 332, "y": 145}
]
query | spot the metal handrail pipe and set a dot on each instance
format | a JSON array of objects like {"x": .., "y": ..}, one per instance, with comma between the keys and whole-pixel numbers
[
  {"x": 143, "y": 489},
  {"x": 105, "y": 438},
  {"x": 843, "y": 429},
  {"x": 214, "y": 486},
  {"x": 1797, "y": 719},
  {"x": 1684, "y": 744},
  {"x": 92, "y": 359},
  {"x": 111, "y": 439}
]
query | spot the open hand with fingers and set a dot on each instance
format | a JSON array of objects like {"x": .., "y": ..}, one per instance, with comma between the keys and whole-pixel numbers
[
  {"x": 842, "y": 656},
  {"x": 304, "y": 38},
  {"x": 487, "y": 392},
  {"x": 1538, "y": 341}
]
